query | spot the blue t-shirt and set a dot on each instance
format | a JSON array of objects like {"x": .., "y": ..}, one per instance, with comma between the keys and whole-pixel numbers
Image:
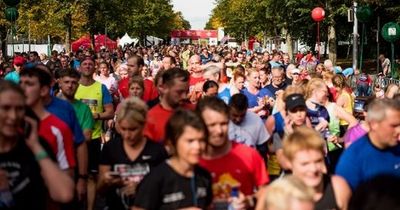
[
  {"x": 225, "y": 95},
  {"x": 13, "y": 77},
  {"x": 274, "y": 89},
  {"x": 363, "y": 161},
  {"x": 315, "y": 115},
  {"x": 253, "y": 99},
  {"x": 64, "y": 110},
  {"x": 76, "y": 64}
]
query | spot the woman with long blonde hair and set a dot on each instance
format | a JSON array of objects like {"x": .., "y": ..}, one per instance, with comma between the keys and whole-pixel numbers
[{"x": 344, "y": 99}]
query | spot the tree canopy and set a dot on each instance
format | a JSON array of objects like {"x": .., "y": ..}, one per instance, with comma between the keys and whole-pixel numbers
[
  {"x": 70, "y": 19},
  {"x": 292, "y": 17}
]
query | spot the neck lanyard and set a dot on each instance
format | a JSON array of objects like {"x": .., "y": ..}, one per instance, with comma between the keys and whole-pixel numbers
[{"x": 193, "y": 189}]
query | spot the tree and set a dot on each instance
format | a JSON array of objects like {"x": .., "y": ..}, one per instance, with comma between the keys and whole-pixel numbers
[
  {"x": 41, "y": 18},
  {"x": 240, "y": 18},
  {"x": 179, "y": 21}
]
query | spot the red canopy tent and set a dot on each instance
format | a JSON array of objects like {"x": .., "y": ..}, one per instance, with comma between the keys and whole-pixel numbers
[
  {"x": 103, "y": 40},
  {"x": 81, "y": 43},
  {"x": 100, "y": 41}
]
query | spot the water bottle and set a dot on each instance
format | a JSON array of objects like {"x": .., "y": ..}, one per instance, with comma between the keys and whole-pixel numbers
[{"x": 234, "y": 196}]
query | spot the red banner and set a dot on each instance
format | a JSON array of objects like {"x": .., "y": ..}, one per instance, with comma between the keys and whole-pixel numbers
[{"x": 194, "y": 34}]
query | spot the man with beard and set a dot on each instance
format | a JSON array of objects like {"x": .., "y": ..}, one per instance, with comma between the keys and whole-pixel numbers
[
  {"x": 233, "y": 166},
  {"x": 174, "y": 90}
]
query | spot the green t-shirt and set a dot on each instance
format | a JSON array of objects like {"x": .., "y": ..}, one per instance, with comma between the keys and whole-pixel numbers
[
  {"x": 84, "y": 115},
  {"x": 13, "y": 76}
]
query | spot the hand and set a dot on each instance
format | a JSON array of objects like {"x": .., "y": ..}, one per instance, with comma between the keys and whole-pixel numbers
[
  {"x": 322, "y": 125},
  {"x": 81, "y": 189},
  {"x": 262, "y": 113},
  {"x": 239, "y": 203},
  {"x": 32, "y": 140},
  {"x": 129, "y": 188},
  {"x": 113, "y": 180},
  {"x": 288, "y": 126},
  {"x": 261, "y": 101},
  {"x": 334, "y": 139},
  {"x": 279, "y": 93},
  {"x": 110, "y": 123},
  {"x": 271, "y": 101}
]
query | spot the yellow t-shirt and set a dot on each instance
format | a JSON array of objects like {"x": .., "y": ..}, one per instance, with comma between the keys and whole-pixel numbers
[
  {"x": 93, "y": 97},
  {"x": 348, "y": 107}
]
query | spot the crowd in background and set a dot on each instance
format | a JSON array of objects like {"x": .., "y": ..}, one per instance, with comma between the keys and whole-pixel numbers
[{"x": 197, "y": 127}]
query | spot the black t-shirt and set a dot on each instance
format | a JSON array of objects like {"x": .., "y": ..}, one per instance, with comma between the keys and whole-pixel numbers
[
  {"x": 114, "y": 155},
  {"x": 163, "y": 188},
  {"x": 24, "y": 178}
]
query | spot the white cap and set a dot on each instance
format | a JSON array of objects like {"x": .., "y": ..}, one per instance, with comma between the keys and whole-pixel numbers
[{"x": 296, "y": 71}]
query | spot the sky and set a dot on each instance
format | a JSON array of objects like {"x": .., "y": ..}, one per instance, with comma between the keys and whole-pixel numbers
[{"x": 197, "y": 12}]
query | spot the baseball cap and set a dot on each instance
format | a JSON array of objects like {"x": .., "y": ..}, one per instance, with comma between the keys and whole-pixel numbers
[
  {"x": 295, "y": 100},
  {"x": 19, "y": 61},
  {"x": 294, "y": 71}
]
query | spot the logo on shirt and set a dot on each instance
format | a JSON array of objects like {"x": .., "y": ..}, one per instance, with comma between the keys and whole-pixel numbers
[
  {"x": 173, "y": 197},
  {"x": 146, "y": 157},
  {"x": 92, "y": 103},
  {"x": 223, "y": 187}
]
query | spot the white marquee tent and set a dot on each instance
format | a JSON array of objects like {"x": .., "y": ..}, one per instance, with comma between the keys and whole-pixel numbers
[{"x": 126, "y": 40}]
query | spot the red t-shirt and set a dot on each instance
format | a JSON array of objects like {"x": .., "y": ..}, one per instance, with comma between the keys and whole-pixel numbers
[
  {"x": 150, "y": 91},
  {"x": 195, "y": 80},
  {"x": 242, "y": 167},
  {"x": 60, "y": 138},
  {"x": 157, "y": 118}
]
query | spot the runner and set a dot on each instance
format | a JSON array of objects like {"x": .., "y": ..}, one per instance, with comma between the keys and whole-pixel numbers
[
  {"x": 174, "y": 89},
  {"x": 178, "y": 182},
  {"x": 129, "y": 156},
  {"x": 235, "y": 167},
  {"x": 376, "y": 153},
  {"x": 27, "y": 174},
  {"x": 304, "y": 150}
]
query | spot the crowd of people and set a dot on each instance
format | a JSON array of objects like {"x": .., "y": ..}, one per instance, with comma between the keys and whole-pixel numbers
[{"x": 195, "y": 127}]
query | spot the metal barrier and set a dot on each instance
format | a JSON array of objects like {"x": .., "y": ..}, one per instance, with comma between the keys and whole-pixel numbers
[{"x": 382, "y": 81}]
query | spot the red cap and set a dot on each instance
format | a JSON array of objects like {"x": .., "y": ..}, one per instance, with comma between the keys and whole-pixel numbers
[{"x": 19, "y": 61}]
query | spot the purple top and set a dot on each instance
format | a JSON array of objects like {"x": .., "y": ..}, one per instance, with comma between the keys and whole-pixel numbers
[{"x": 354, "y": 133}]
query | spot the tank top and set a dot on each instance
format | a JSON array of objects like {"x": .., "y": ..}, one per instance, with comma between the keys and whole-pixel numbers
[
  {"x": 93, "y": 97},
  {"x": 348, "y": 107},
  {"x": 328, "y": 199},
  {"x": 334, "y": 126}
]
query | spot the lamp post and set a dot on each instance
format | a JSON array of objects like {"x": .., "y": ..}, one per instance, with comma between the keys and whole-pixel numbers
[
  {"x": 364, "y": 14},
  {"x": 11, "y": 14},
  {"x": 318, "y": 15},
  {"x": 355, "y": 37},
  {"x": 391, "y": 33}
]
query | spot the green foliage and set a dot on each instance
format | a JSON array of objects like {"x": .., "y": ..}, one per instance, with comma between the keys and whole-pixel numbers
[{"x": 71, "y": 19}]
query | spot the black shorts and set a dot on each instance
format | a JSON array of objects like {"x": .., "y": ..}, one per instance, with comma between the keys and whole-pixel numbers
[{"x": 94, "y": 151}]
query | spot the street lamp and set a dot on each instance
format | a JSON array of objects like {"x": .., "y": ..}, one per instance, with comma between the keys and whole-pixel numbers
[{"x": 318, "y": 15}]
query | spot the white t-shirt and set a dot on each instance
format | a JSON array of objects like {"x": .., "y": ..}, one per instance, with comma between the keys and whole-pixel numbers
[
  {"x": 250, "y": 132},
  {"x": 110, "y": 82}
]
